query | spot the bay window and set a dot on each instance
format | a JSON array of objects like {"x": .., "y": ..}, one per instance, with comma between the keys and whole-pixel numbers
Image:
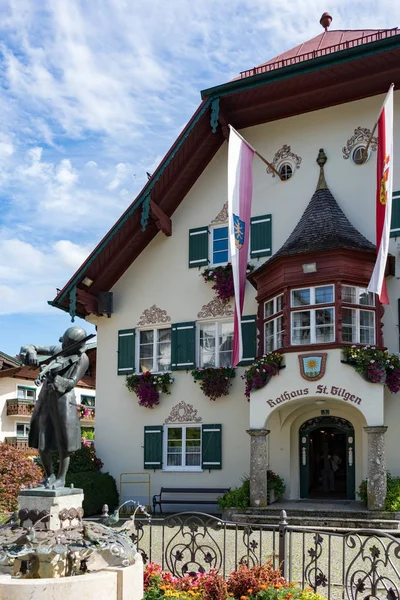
[
  {"x": 315, "y": 325},
  {"x": 358, "y": 324},
  {"x": 273, "y": 324}
]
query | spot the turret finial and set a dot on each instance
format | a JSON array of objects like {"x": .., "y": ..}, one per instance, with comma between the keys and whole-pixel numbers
[{"x": 321, "y": 161}]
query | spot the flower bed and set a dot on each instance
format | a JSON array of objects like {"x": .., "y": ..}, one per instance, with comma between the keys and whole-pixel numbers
[
  {"x": 148, "y": 386},
  {"x": 247, "y": 583},
  {"x": 375, "y": 365},
  {"x": 260, "y": 372},
  {"x": 214, "y": 382}
]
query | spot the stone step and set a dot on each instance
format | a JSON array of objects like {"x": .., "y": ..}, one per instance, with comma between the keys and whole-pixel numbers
[
  {"x": 341, "y": 513},
  {"x": 320, "y": 522}
]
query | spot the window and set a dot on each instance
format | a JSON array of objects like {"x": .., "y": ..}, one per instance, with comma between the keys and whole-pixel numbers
[
  {"x": 154, "y": 351},
  {"x": 356, "y": 295},
  {"x": 219, "y": 245},
  {"x": 286, "y": 171},
  {"x": 215, "y": 344},
  {"x": 358, "y": 325},
  {"x": 188, "y": 447},
  {"x": 26, "y": 393},
  {"x": 357, "y": 155},
  {"x": 395, "y": 223},
  {"x": 88, "y": 400},
  {"x": 22, "y": 429},
  {"x": 183, "y": 447},
  {"x": 316, "y": 325},
  {"x": 273, "y": 326}
]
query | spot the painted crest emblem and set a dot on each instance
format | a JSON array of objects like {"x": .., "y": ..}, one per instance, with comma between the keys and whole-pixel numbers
[
  {"x": 238, "y": 228},
  {"x": 312, "y": 366},
  {"x": 384, "y": 180}
]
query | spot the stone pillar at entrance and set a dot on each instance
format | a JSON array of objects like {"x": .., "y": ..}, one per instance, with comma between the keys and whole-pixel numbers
[
  {"x": 376, "y": 475},
  {"x": 258, "y": 466}
]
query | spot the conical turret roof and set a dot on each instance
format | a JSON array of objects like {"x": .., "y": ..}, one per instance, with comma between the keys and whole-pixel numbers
[{"x": 323, "y": 225}]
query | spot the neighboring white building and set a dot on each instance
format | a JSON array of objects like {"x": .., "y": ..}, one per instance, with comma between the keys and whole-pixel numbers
[
  {"x": 18, "y": 394},
  {"x": 307, "y": 295}
]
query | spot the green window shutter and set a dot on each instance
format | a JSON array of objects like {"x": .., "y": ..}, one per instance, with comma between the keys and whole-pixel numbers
[
  {"x": 126, "y": 351},
  {"x": 395, "y": 224},
  {"x": 198, "y": 247},
  {"x": 249, "y": 340},
  {"x": 211, "y": 446},
  {"x": 261, "y": 236},
  {"x": 183, "y": 346},
  {"x": 153, "y": 436}
]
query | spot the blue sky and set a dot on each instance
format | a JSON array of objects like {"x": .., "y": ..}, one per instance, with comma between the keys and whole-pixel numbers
[{"x": 92, "y": 95}]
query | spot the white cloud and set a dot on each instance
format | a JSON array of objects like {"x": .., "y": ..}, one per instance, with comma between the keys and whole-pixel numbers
[
  {"x": 65, "y": 174},
  {"x": 29, "y": 275}
]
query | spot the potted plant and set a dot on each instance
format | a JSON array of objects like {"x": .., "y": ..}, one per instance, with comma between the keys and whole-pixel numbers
[
  {"x": 214, "y": 382},
  {"x": 275, "y": 487},
  {"x": 148, "y": 386},
  {"x": 375, "y": 365},
  {"x": 223, "y": 280},
  {"x": 260, "y": 372}
]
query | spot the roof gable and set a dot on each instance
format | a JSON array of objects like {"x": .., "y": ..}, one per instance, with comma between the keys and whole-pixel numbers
[{"x": 335, "y": 77}]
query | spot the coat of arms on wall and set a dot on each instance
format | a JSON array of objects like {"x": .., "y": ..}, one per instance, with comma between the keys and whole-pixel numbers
[{"x": 312, "y": 366}]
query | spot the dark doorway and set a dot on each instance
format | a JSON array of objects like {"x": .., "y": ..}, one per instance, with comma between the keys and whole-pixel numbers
[
  {"x": 327, "y": 472},
  {"x": 327, "y": 459}
]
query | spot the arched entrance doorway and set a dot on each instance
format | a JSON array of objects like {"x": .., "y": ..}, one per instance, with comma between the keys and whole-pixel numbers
[{"x": 327, "y": 461}]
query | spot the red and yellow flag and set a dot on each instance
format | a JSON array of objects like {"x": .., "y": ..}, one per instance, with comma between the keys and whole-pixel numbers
[{"x": 384, "y": 189}]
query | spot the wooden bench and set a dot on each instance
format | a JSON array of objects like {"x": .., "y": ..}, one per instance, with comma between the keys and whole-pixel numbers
[{"x": 169, "y": 496}]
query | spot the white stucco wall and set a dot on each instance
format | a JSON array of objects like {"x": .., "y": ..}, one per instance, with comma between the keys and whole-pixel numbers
[{"x": 160, "y": 276}]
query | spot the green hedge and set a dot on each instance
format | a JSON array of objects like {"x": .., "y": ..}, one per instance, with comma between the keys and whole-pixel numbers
[{"x": 98, "y": 488}]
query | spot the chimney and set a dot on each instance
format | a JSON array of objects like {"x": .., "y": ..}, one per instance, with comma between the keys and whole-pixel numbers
[{"x": 326, "y": 20}]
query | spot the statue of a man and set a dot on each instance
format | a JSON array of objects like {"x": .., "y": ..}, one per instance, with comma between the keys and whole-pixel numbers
[{"x": 55, "y": 421}]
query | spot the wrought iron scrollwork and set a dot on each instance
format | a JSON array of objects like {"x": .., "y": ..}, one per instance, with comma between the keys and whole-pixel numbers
[
  {"x": 250, "y": 558},
  {"x": 372, "y": 571},
  {"x": 193, "y": 548},
  {"x": 313, "y": 574}
]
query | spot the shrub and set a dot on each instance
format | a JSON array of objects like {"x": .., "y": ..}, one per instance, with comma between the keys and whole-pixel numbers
[
  {"x": 16, "y": 470},
  {"x": 237, "y": 498},
  {"x": 392, "y": 502},
  {"x": 82, "y": 460},
  {"x": 98, "y": 489},
  {"x": 255, "y": 579}
]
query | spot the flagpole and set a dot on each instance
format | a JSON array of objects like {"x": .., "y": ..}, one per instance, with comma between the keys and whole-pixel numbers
[
  {"x": 257, "y": 153},
  {"x": 364, "y": 154}
]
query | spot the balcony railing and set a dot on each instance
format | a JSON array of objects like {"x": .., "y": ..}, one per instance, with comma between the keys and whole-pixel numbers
[
  {"x": 19, "y": 408},
  {"x": 87, "y": 413},
  {"x": 20, "y": 442}
]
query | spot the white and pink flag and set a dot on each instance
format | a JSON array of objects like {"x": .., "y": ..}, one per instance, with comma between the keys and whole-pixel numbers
[
  {"x": 384, "y": 189},
  {"x": 240, "y": 190}
]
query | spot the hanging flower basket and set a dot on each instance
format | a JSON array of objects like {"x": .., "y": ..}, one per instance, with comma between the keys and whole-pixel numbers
[
  {"x": 223, "y": 280},
  {"x": 148, "y": 386},
  {"x": 214, "y": 382},
  {"x": 374, "y": 365},
  {"x": 260, "y": 372}
]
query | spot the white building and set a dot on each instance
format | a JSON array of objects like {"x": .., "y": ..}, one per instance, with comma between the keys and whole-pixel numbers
[
  {"x": 18, "y": 394},
  {"x": 313, "y": 253}
]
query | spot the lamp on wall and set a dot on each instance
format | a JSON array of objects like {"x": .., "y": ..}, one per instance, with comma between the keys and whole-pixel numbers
[
  {"x": 87, "y": 281},
  {"x": 320, "y": 402},
  {"x": 310, "y": 267}
]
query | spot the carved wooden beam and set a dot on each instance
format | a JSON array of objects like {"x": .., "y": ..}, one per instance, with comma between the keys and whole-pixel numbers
[
  {"x": 162, "y": 220},
  {"x": 87, "y": 300},
  {"x": 224, "y": 122}
]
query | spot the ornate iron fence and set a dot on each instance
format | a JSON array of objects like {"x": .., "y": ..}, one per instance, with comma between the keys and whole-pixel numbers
[{"x": 354, "y": 564}]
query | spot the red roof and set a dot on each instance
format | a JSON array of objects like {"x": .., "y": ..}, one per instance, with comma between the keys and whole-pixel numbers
[{"x": 324, "y": 43}]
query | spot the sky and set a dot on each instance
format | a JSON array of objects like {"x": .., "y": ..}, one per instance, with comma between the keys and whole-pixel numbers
[{"x": 92, "y": 95}]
